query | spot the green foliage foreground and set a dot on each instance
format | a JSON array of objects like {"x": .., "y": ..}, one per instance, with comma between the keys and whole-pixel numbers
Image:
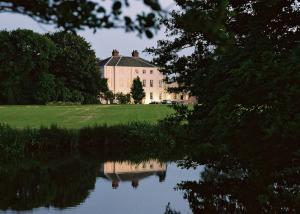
[
  {"x": 243, "y": 65},
  {"x": 77, "y": 15},
  {"x": 18, "y": 144}
]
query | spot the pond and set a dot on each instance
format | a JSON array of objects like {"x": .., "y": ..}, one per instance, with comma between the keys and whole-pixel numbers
[
  {"x": 78, "y": 185},
  {"x": 118, "y": 170}
]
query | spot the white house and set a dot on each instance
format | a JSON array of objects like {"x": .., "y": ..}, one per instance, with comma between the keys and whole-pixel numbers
[{"x": 120, "y": 71}]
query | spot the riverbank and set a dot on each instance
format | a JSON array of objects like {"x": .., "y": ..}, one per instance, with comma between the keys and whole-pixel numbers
[{"x": 16, "y": 144}]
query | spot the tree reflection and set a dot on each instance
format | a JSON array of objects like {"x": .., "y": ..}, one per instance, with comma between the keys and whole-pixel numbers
[
  {"x": 227, "y": 186},
  {"x": 66, "y": 181},
  {"x": 60, "y": 183}
]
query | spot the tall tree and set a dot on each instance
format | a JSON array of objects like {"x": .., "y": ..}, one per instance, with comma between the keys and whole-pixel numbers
[
  {"x": 242, "y": 63},
  {"x": 137, "y": 91},
  {"x": 75, "y": 15},
  {"x": 24, "y": 56},
  {"x": 75, "y": 66}
]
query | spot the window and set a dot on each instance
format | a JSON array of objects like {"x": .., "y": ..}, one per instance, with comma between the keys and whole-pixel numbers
[
  {"x": 175, "y": 96},
  {"x": 151, "y": 71},
  {"x": 160, "y": 83},
  {"x": 160, "y": 96},
  {"x": 151, "y": 95},
  {"x": 181, "y": 97},
  {"x": 144, "y": 83},
  {"x": 136, "y": 71},
  {"x": 144, "y": 71},
  {"x": 151, "y": 83}
]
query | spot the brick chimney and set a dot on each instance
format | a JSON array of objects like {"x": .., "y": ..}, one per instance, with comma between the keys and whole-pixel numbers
[
  {"x": 115, "y": 53},
  {"x": 135, "y": 53}
]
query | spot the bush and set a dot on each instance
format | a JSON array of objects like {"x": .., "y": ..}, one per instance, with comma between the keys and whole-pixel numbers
[
  {"x": 123, "y": 98},
  {"x": 45, "y": 91},
  {"x": 116, "y": 140}
]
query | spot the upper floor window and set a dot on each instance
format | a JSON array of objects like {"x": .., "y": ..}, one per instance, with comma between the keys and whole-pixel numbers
[
  {"x": 151, "y": 83},
  {"x": 144, "y": 83},
  {"x": 151, "y": 71},
  {"x": 136, "y": 71},
  {"x": 160, "y": 83},
  {"x": 144, "y": 71}
]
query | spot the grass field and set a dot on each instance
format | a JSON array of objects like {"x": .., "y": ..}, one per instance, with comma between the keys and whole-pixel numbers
[{"x": 78, "y": 116}]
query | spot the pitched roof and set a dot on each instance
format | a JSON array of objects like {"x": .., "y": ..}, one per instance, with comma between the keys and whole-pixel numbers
[
  {"x": 103, "y": 62},
  {"x": 126, "y": 61}
]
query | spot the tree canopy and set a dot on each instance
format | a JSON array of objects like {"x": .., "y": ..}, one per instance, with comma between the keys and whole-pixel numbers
[
  {"x": 43, "y": 68},
  {"x": 242, "y": 64},
  {"x": 24, "y": 57},
  {"x": 75, "y": 15},
  {"x": 75, "y": 66}
]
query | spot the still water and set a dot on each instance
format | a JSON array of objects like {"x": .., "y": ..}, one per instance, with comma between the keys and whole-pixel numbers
[{"x": 102, "y": 187}]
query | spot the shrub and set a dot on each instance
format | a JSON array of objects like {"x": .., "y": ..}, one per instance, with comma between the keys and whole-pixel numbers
[{"x": 123, "y": 98}]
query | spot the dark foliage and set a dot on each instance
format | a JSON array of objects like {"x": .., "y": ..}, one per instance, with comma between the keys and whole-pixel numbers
[
  {"x": 75, "y": 15},
  {"x": 242, "y": 63},
  {"x": 16, "y": 144},
  {"x": 137, "y": 91},
  {"x": 75, "y": 67},
  {"x": 243, "y": 67},
  {"x": 24, "y": 60},
  {"x": 37, "y": 69},
  {"x": 123, "y": 98}
]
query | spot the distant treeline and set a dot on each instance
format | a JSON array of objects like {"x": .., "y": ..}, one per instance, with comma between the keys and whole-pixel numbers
[{"x": 37, "y": 69}]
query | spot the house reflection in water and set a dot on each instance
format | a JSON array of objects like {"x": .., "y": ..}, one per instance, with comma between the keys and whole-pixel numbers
[{"x": 132, "y": 172}]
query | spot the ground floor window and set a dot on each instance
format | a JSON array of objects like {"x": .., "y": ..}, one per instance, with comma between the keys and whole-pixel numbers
[
  {"x": 160, "y": 83},
  {"x": 151, "y": 83},
  {"x": 160, "y": 96},
  {"x": 151, "y": 95}
]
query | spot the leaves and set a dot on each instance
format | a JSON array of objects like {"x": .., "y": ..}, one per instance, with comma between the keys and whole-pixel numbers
[
  {"x": 76, "y": 15},
  {"x": 43, "y": 68},
  {"x": 239, "y": 53},
  {"x": 137, "y": 91}
]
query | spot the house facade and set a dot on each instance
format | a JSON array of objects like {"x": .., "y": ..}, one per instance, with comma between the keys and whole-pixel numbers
[
  {"x": 120, "y": 71},
  {"x": 127, "y": 171}
]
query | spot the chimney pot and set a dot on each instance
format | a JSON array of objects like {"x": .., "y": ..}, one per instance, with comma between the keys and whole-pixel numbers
[
  {"x": 115, "y": 53},
  {"x": 135, "y": 53}
]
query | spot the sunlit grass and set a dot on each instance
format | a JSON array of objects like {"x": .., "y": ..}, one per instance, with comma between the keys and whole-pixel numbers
[{"x": 77, "y": 116}]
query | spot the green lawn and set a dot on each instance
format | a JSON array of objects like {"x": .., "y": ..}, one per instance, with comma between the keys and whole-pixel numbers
[{"x": 80, "y": 115}]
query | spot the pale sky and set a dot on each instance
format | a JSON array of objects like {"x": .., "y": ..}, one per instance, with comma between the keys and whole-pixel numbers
[{"x": 103, "y": 41}]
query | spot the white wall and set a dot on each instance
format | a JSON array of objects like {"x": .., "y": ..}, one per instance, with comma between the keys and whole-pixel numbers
[{"x": 120, "y": 79}]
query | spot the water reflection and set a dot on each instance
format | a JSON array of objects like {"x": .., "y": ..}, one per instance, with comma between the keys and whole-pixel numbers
[
  {"x": 84, "y": 185},
  {"x": 127, "y": 171},
  {"x": 227, "y": 186},
  {"x": 81, "y": 184}
]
